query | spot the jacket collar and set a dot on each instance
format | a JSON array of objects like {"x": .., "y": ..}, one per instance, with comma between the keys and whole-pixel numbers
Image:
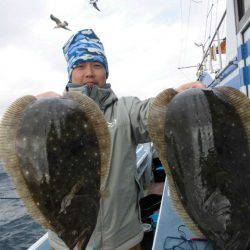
[{"x": 104, "y": 96}]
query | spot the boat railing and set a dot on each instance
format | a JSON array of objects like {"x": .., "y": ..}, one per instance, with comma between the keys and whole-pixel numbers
[{"x": 214, "y": 59}]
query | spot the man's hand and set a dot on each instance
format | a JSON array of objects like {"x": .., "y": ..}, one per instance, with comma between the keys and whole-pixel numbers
[
  {"x": 47, "y": 94},
  {"x": 190, "y": 85}
]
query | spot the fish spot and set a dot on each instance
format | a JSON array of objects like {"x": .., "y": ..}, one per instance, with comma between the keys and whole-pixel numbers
[{"x": 74, "y": 232}]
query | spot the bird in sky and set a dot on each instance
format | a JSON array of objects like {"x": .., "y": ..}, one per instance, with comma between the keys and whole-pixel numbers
[
  {"x": 94, "y": 3},
  {"x": 59, "y": 23}
]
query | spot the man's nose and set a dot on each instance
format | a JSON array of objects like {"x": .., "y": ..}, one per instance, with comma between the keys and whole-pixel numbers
[{"x": 89, "y": 72}]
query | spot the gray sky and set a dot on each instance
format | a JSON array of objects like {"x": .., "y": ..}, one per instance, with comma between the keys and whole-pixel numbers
[{"x": 145, "y": 42}]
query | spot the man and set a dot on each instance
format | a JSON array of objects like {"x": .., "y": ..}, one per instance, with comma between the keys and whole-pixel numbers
[{"x": 118, "y": 224}]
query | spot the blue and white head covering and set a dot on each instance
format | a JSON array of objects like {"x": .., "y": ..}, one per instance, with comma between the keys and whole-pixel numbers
[{"x": 84, "y": 46}]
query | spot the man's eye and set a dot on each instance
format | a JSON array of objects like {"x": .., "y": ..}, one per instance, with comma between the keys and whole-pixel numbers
[
  {"x": 80, "y": 66},
  {"x": 98, "y": 65}
]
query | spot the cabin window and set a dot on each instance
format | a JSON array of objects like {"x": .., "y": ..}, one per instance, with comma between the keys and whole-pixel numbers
[
  {"x": 241, "y": 9},
  {"x": 242, "y": 6},
  {"x": 242, "y": 13},
  {"x": 246, "y": 5}
]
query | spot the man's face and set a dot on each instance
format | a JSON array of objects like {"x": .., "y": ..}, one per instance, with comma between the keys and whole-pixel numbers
[{"x": 89, "y": 73}]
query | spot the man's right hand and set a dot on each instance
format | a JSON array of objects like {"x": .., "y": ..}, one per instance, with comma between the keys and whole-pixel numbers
[
  {"x": 190, "y": 85},
  {"x": 46, "y": 95}
]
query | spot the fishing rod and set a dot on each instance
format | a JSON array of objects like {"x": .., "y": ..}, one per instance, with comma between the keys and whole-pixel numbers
[{"x": 9, "y": 198}]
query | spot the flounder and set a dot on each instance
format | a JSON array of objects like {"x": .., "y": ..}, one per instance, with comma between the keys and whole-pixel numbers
[
  {"x": 203, "y": 137},
  {"x": 57, "y": 151}
]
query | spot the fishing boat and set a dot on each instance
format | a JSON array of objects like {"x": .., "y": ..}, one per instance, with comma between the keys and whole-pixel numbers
[{"x": 226, "y": 60}]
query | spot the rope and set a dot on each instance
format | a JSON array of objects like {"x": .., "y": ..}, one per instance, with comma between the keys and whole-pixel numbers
[
  {"x": 101, "y": 214},
  {"x": 182, "y": 241},
  {"x": 186, "y": 37},
  {"x": 196, "y": 1},
  {"x": 181, "y": 43},
  {"x": 206, "y": 24},
  {"x": 211, "y": 19},
  {"x": 216, "y": 14}
]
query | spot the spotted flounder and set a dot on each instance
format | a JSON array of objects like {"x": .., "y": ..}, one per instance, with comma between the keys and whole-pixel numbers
[
  {"x": 203, "y": 137},
  {"x": 57, "y": 151}
]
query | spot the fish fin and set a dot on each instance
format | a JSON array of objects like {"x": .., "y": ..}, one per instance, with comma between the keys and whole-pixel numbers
[
  {"x": 8, "y": 130},
  {"x": 242, "y": 105},
  {"x": 156, "y": 127}
]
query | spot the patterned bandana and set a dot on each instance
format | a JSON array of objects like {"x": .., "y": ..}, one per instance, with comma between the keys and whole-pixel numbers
[{"x": 84, "y": 46}]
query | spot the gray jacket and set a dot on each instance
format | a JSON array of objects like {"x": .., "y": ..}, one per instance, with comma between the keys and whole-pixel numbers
[{"x": 118, "y": 224}]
